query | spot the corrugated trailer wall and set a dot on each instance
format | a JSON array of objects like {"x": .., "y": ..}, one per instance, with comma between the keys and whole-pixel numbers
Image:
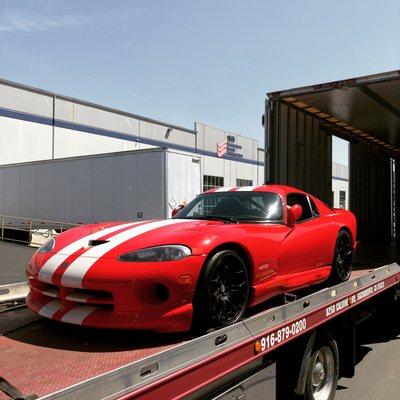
[
  {"x": 299, "y": 151},
  {"x": 397, "y": 199},
  {"x": 370, "y": 198}
]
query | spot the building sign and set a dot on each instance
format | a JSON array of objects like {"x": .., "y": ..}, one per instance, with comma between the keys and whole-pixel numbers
[{"x": 228, "y": 148}]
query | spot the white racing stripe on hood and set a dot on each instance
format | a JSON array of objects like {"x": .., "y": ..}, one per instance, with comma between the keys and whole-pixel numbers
[
  {"x": 49, "y": 309},
  {"x": 78, "y": 314},
  {"x": 75, "y": 272},
  {"x": 48, "y": 269}
]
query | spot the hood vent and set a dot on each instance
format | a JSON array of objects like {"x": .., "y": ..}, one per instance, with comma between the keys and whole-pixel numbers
[{"x": 97, "y": 242}]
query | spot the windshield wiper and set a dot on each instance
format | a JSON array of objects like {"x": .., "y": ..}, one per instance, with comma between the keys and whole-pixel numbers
[{"x": 216, "y": 218}]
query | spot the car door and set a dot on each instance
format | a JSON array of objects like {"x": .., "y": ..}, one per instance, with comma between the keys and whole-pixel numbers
[{"x": 307, "y": 244}]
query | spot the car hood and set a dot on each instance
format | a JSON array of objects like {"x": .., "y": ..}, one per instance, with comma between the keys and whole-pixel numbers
[{"x": 113, "y": 239}]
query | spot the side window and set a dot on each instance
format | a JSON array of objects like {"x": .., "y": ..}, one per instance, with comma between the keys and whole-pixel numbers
[
  {"x": 301, "y": 199},
  {"x": 314, "y": 208}
]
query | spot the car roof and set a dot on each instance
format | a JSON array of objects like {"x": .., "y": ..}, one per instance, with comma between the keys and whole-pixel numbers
[{"x": 279, "y": 189}]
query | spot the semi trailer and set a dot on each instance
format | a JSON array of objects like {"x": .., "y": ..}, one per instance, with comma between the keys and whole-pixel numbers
[{"x": 129, "y": 185}]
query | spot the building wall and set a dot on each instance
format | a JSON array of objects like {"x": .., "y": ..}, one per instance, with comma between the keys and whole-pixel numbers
[
  {"x": 240, "y": 162},
  {"x": 340, "y": 183},
  {"x": 82, "y": 129},
  {"x": 37, "y": 125},
  {"x": 261, "y": 165}
]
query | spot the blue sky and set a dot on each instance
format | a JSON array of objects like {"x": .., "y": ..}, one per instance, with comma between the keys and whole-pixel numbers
[{"x": 182, "y": 61}]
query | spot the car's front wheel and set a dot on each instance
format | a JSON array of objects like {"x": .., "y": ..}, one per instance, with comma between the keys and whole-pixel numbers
[{"x": 223, "y": 291}]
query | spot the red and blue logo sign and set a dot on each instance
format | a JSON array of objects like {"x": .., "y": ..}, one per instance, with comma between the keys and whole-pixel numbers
[{"x": 228, "y": 148}]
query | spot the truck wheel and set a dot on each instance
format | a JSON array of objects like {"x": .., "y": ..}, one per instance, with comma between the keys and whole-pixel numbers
[
  {"x": 223, "y": 291},
  {"x": 343, "y": 258},
  {"x": 323, "y": 371}
]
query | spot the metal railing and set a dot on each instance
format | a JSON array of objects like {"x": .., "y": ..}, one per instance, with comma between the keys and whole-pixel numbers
[
  {"x": 31, "y": 231},
  {"x": 13, "y": 292}
]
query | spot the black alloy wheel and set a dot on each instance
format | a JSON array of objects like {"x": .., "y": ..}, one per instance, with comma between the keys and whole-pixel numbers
[
  {"x": 343, "y": 258},
  {"x": 223, "y": 291}
]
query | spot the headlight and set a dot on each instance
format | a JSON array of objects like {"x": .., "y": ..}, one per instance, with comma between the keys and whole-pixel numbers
[
  {"x": 159, "y": 253},
  {"x": 47, "y": 246}
]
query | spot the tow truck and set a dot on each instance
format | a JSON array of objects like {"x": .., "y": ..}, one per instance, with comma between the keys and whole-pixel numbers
[{"x": 298, "y": 347}]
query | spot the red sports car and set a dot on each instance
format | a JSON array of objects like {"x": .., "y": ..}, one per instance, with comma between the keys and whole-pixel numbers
[{"x": 227, "y": 250}]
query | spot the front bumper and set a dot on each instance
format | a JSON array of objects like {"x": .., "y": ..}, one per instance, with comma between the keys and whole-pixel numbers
[{"x": 151, "y": 296}]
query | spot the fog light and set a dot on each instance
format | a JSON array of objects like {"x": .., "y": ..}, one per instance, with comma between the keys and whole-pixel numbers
[
  {"x": 162, "y": 292},
  {"x": 185, "y": 279}
]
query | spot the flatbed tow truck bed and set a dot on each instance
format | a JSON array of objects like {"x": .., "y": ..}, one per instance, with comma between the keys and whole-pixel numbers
[
  {"x": 58, "y": 361},
  {"x": 43, "y": 357}
]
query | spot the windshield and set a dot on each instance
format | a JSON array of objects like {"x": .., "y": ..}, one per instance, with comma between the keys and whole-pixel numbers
[{"x": 235, "y": 206}]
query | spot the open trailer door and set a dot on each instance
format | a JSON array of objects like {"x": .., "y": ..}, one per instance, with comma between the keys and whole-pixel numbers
[{"x": 365, "y": 111}]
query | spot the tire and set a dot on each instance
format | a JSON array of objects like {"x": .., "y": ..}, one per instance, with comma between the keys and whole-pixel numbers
[
  {"x": 342, "y": 264},
  {"x": 323, "y": 370},
  {"x": 223, "y": 291}
]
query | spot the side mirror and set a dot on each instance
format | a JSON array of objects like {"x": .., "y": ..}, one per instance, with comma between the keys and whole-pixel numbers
[
  {"x": 294, "y": 213},
  {"x": 177, "y": 209}
]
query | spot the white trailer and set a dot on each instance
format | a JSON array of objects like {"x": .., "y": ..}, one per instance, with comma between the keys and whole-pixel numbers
[{"x": 131, "y": 185}]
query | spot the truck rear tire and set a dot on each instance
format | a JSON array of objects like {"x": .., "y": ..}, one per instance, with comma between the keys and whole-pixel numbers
[{"x": 323, "y": 370}]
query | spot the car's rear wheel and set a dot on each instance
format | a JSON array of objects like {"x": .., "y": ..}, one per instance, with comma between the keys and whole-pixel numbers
[
  {"x": 223, "y": 291},
  {"x": 343, "y": 258}
]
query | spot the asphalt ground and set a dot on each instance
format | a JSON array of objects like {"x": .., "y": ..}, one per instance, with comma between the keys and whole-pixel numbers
[
  {"x": 378, "y": 360},
  {"x": 13, "y": 260}
]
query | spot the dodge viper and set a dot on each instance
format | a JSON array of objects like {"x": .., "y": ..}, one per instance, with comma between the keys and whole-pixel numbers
[{"x": 227, "y": 250}]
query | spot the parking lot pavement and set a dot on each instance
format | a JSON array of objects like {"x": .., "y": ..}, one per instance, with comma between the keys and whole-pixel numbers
[
  {"x": 13, "y": 260},
  {"x": 378, "y": 368}
]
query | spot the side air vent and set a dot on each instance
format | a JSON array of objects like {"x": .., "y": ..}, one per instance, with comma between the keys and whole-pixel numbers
[{"x": 93, "y": 243}]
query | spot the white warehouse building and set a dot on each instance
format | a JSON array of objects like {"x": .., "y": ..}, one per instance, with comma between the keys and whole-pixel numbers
[
  {"x": 340, "y": 185},
  {"x": 36, "y": 125}
]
